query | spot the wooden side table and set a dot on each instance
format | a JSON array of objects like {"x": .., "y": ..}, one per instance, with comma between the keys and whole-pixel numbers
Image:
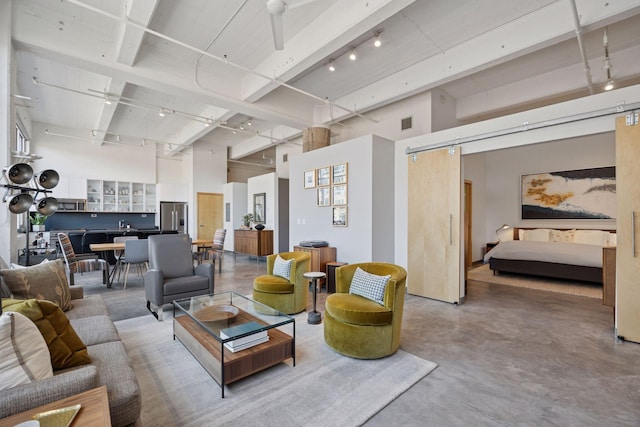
[
  {"x": 331, "y": 275},
  {"x": 94, "y": 410},
  {"x": 490, "y": 246},
  {"x": 314, "y": 276}
]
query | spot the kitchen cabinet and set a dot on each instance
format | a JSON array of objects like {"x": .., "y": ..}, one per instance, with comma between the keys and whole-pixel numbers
[{"x": 120, "y": 196}]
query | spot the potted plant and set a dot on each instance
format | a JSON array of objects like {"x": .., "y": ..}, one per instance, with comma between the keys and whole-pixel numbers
[
  {"x": 37, "y": 221},
  {"x": 247, "y": 220}
]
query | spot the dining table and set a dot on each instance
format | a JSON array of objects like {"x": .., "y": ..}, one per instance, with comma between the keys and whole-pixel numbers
[{"x": 103, "y": 248}]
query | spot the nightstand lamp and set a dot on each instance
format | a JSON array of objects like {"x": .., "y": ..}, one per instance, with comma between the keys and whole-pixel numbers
[{"x": 502, "y": 233}]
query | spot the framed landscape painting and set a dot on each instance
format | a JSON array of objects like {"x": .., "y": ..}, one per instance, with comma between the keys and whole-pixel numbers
[{"x": 576, "y": 194}]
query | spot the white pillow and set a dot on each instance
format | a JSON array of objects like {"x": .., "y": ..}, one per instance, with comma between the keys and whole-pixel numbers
[
  {"x": 369, "y": 285},
  {"x": 561, "y": 236},
  {"x": 591, "y": 237},
  {"x": 537, "y": 235},
  {"x": 24, "y": 355},
  {"x": 282, "y": 267}
]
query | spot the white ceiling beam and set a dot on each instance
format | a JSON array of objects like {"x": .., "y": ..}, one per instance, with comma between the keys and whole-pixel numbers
[
  {"x": 259, "y": 143},
  {"x": 155, "y": 79},
  {"x": 130, "y": 38},
  {"x": 339, "y": 25},
  {"x": 551, "y": 84},
  {"x": 539, "y": 29},
  {"x": 115, "y": 88}
]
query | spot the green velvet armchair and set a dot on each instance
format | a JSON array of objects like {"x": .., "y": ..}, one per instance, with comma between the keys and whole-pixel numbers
[
  {"x": 362, "y": 328},
  {"x": 286, "y": 296}
]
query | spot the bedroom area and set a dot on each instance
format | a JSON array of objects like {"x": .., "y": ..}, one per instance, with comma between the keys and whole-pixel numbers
[{"x": 564, "y": 248}]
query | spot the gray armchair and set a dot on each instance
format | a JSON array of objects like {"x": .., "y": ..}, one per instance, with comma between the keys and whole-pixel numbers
[{"x": 171, "y": 273}]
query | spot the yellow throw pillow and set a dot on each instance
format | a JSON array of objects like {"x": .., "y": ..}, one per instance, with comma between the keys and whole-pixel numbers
[
  {"x": 65, "y": 346},
  {"x": 46, "y": 281}
]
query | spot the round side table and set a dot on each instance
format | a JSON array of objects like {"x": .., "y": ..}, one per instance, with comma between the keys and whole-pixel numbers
[{"x": 313, "y": 276}]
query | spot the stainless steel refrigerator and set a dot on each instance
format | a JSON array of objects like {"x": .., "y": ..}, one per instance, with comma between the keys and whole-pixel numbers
[{"x": 173, "y": 216}]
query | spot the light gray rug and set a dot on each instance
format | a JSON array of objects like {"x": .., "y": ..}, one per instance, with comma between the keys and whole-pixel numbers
[{"x": 324, "y": 388}]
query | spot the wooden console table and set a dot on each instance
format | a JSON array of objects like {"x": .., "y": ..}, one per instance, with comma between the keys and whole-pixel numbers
[
  {"x": 319, "y": 256},
  {"x": 253, "y": 242}
]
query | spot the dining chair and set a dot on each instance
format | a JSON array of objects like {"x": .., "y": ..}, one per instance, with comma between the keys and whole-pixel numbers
[
  {"x": 217, "y": 248},
  {"x": 119, "y": 254},
  {"x": 136, "y": 252},
  {"x": 83, "y": 262}
]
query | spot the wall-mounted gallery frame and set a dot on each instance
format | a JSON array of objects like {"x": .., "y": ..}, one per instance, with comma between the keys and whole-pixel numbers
[
  {"x": 339, "y": 174},
  {"x": 310, "y": 179},
  {"x": 324, "y": 196},
  {"x": 259, "y": 208},
  {"x": 340, "y": 216},
  {"x": 324, "y": 176},
  {"x": 339, "y": 195}
]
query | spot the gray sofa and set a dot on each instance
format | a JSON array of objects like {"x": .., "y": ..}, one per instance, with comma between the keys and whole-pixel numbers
[{"x": 110, "y": 366}]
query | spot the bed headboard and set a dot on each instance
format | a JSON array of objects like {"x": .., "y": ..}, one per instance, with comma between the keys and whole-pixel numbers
[{"x": 589, "y": 236}]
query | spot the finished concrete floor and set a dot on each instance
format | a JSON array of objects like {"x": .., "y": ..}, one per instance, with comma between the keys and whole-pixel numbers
[{"x": 507, "y": 357}]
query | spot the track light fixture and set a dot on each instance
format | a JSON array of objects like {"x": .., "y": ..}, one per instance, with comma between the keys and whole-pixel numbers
[
  {"x": 377, "y": 42},
  {"x": 161, "y": 112},
  {"x": 249, "y": 122},
  {"x": 331, "y": 66},
  {"x": 607, "y": 62},
  {"x": 352, "y": 55}
]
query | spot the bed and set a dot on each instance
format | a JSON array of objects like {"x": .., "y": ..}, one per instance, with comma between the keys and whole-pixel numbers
[{"x": 561, "y": 254}]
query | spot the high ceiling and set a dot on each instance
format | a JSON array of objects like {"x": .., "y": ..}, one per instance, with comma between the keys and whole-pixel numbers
[{"x": 106, "y": 70}]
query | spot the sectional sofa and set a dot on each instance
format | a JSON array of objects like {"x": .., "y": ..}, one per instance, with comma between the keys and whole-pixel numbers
[{"x": 110, "y": 366}]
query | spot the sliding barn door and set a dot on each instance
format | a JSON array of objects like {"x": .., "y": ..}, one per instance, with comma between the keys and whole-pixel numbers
[
  {"x": 434, "y": 225},
  {"x": 628, "y": 230}
]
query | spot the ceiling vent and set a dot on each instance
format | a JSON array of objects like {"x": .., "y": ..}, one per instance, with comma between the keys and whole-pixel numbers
[{"x": 406, "y": 123}]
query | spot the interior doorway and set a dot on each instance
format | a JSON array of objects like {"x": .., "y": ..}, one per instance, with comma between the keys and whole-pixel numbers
[
  {"x": 210, "y": 214},
  {"x": 468, "y": 229}
]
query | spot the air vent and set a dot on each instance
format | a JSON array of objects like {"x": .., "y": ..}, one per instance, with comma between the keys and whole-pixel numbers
[
  {"x": 405, "y": 123},
  {"x": 285, "y": 158}
]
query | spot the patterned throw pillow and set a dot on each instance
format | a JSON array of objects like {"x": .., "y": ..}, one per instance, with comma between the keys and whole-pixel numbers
[
  {"x": 46, "y": 281},
  {"x": 66, "y": 349},
  {"x": 369, "y": 285},
  {"x": 24, "y": 356},
  {"x": 282, "y": 267}
]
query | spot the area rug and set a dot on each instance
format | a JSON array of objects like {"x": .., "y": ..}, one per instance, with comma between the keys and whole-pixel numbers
[
  {"x": 324, "y": 388},
  {"x": 585, "y": 289}
]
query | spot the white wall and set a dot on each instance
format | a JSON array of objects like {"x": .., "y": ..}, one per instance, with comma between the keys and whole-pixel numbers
[
  {"x": 369, "y": 217},
  {"x": 235, "y": 193},
  {"x": 387, "y": 121},
  {"x": 267, "y": 184}
]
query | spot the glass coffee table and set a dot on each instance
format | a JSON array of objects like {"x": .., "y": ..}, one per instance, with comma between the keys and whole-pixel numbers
[{"x": 233, "y": 336}]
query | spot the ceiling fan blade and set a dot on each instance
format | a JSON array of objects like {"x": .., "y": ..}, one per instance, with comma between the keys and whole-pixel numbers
[{"x": 276, "y": 29}]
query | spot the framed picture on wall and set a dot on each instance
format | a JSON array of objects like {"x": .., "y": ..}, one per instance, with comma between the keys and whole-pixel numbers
[
  {"x": 339, "y": 194},
  {"x": 324, "y": 176},
  {"x": 339, "y": 174},
  {"x": 324, "y": 196},
  {"x": 310, "y": 179},
  {"x": 340, "y": 216},
  {"x": 259, "y": 211}
]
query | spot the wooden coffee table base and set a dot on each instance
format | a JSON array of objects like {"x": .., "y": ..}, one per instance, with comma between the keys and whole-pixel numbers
[{"x": 207, "y": 350}]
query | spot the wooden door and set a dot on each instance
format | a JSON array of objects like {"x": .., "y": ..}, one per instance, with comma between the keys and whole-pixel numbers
[
  {"x": 210, "y": 214},
  {"x": 434, "y": 225},
  {"x": 628, "y": 230}
]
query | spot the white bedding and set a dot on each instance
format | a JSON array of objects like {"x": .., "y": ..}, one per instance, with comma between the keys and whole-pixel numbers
[{"x": 558, "y": 252}]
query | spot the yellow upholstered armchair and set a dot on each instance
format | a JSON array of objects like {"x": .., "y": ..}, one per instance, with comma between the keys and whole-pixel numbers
[
  {"x": 288, "y": 296},
  {"x": 360, "y": 327}
]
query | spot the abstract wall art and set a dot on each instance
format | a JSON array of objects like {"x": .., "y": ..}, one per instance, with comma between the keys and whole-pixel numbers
[{"x": 576, "y": 194}]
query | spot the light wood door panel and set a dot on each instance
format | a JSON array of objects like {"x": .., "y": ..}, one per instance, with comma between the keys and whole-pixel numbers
[
  {"x": 628, "y": 231},
  {"x": 434, "y": 225},
  {"x": 210, "y": 207}
]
